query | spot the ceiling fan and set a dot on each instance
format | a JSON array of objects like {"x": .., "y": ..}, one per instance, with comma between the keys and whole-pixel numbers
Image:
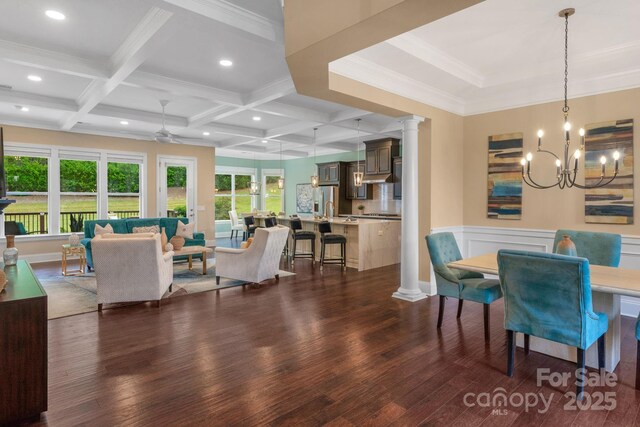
[{"x": 164, "y": 136}]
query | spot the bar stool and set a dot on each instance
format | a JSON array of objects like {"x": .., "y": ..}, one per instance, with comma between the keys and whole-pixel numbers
[
  {"x": 297, "y": 233},
  {"x": 250, "y": 227},
  {"x": 327, "y": 238}
]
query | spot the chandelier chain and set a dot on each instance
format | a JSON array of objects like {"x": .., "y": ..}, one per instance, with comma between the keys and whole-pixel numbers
[{"x": 565, "y": 109}]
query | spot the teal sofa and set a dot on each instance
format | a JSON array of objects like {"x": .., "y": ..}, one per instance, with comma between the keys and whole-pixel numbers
[{"x": 125, "y": 226}]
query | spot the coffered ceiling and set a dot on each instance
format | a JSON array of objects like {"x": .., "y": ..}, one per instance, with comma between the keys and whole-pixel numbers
[
  {"x": 111, "y": 62},
  {"x": 502, "y": 54}
]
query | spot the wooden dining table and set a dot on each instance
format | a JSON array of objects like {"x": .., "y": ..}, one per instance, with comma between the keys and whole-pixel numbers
[{"x": 607, "y": 285}]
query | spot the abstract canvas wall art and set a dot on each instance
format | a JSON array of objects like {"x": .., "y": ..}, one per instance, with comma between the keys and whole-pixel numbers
[
  {"x": 304, "y": 198},
  {"x": 505, "y": 176},
  {"x": 612, "y": 204}
]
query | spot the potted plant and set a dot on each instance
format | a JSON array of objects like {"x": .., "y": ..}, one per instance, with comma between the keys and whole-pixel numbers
[{"x": 361, "y": 209}]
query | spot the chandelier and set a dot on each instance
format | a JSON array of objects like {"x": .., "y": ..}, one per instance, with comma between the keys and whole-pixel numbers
[
  {"x": 567, "y": 168},
  {"x": 358, "y": 175}
]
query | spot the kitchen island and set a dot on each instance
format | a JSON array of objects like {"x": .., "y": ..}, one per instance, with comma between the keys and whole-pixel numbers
[{"x": 371, "y": 243}]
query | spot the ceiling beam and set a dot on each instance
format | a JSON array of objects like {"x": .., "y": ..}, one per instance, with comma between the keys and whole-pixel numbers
[
  {"x": 234, "y": 16},
  {"x": 274, "y": 90},
  {"x": 293, "y": 112},
  {"x": 135, "y": 49},
  {"x": 35, "y": 100},
  {"x": 43, "y": 59},
  {"x": 138, "y": 115},
  {"x": 144, "y": 80}
]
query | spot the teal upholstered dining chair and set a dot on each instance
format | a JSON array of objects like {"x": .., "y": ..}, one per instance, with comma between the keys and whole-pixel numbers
[
  {"x": 598, "y": 248},
  {"x": 463, "y": 285},
  {"x": 549, "y": 296}
]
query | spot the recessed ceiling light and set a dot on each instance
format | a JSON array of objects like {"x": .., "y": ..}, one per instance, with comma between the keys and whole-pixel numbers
[
  {"x": 124, "y": 122},
  {"x": 54, "y": 14},
  {"x": 226, "y": 62},
  {"x": 206, "y": 133},
  {"x": 257, "y": 118},
  {"x": 25, "y": 109},
  {"x": 34, "y": 78},
  {"x": 264, "y": 141}
]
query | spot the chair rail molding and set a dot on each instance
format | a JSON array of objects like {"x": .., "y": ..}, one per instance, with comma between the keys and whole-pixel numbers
[{"x": 478, "y": 240}]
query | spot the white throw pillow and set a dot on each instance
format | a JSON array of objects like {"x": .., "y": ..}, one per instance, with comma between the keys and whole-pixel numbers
[
  {"x": 185, "y": 230},
  {"x": 99, "y": 231},
  {"x": 155, "y": 229}
]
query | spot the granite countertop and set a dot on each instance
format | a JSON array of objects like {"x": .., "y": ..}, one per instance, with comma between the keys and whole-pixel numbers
[
  {"x": 335, "y": 220},
  {"x": 391, "y": 218}
]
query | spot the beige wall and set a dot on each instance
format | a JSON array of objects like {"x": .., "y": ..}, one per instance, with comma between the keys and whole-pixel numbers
[
  {"x": 542, "y": 209},
  {"x": 204, "y": 181}
]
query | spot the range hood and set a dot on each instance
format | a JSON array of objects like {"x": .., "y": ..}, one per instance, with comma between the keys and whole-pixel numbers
[{"x": 377, "y": 178}]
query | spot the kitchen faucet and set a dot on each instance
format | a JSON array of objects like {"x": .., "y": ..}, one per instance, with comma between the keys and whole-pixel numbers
[{"x": 326, "y": 208}]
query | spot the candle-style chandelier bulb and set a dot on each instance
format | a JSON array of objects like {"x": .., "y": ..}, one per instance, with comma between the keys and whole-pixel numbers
[
  {"x": 523, "y": 161},
  {"x": 616, "y": 155},
  {"x": 566, "y": 177}
]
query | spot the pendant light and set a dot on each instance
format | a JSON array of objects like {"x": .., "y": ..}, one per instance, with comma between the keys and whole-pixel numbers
[
  {"x": 315, "y": 181},
  {"x": 358, "y": 175},
  {"x": 254, "y": 186},
  {"x": 281, "y": 179},
  {"x": 567, "y": 168}
]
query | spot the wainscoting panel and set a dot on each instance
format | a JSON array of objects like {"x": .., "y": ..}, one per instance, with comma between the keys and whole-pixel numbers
[{"x": 475, "y": 241}]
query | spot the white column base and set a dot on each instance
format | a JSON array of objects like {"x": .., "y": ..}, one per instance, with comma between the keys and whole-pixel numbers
[{"x": 411, "y": 297}]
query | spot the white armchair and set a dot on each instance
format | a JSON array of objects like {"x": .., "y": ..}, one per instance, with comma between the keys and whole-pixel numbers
[
  {"x": 131, "y": 267},
  {"x": 258, "y": 262}
]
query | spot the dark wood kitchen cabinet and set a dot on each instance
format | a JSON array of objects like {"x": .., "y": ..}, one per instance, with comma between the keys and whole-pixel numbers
[
  {"x": 364, "y": 192},
  {"x": 329, "y": 173},
  {"x": 379, "y": 155},
  {"x": 397, "y": 178},
  {"x": 23, "y": 346}
]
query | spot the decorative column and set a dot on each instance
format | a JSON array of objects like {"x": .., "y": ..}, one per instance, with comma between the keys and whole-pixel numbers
[{"x": 409, "y": 259}]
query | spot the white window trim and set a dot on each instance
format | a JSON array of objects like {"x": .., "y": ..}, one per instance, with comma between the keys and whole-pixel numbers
[
  {"x": 54, "y": 154},
  {"x": 233, "y": 171},
  {"x": 263, "y": 194}
]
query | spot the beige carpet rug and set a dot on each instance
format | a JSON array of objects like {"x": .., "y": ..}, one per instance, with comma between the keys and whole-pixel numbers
[{"x": 71, "y": 295}]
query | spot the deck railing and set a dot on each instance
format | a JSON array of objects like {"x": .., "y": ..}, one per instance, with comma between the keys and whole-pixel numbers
[{"x": 36, "y": 223}]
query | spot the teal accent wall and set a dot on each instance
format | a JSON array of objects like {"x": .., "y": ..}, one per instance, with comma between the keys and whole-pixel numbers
[
  {"x": 296, "y": 171},
  {"x": 299, "y": 171}
]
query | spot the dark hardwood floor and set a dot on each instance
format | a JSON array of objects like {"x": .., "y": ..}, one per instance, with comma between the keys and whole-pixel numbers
[{"x": 316, "y": 348}]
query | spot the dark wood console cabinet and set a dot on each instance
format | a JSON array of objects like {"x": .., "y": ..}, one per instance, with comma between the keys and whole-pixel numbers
[{"x": 23, "y": 346}]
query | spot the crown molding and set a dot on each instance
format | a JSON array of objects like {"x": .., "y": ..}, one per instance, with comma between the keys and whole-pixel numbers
[{"x": 368, "y": 72}]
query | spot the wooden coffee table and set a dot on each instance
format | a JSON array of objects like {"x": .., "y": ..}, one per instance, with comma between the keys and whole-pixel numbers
[{"x": 190, "y": 251}]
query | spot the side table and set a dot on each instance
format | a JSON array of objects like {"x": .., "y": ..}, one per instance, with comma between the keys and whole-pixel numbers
[{"x": 73, "y": 251}]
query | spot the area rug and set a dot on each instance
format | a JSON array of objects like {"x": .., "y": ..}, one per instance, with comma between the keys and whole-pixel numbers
[{"x": 71, "y": 295}]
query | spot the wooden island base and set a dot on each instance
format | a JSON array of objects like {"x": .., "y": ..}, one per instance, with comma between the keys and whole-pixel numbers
[{"x": 371, "y": 243}]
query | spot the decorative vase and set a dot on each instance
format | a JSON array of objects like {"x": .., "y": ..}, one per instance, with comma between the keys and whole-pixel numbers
[
  {"x": 168, "y": 247},
  {"x": 163, "y": 237},
  {"x": 10, "y": 254},
  {"x": 177, "y": 242},
  {"x": 566, "y": 247},
  {"x": 74, "y": 239}
]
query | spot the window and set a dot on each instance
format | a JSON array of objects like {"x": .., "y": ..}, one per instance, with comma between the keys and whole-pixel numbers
[
  {"x": 123, "y": 182},
  {"x": 223, "y": 197},
  {"x": 272, "y": 196},
  {"x": 78, "y": 193},
  {"x": 58, "y": 188},
  {"x": 28, "y": 185},
  {"x": 232, "y": 192}
]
